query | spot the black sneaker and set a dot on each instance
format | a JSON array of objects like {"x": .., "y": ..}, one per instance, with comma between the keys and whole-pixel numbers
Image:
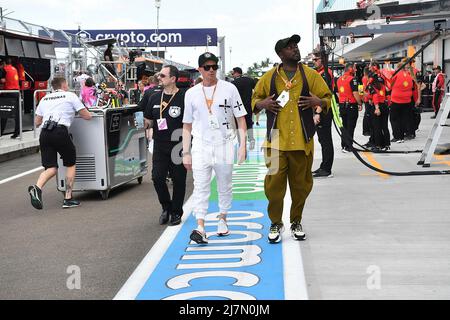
[
  {"x": 395, "y": 140},
  {"x": 322, "y": 174},
  {"x": 164, "y": 218},
  {"x": 70, "y": 203},
  {"x": 14, "y": 136},
  {"x": 375, "y": 149},
  {"x": 275, "y": 233},
  {"x": 297, "y": 231},
  {"x": 199, "y": 237},
  {"x": 175, "y": 219},
  {"x": 36, "y": 197}
]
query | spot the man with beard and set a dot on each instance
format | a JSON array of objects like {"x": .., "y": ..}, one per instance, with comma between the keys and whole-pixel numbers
[{"x": 289, "y": 146}]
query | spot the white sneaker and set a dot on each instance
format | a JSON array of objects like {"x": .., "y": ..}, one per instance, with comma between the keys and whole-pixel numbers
[
  {"x": 297, "y": 231},
  {"x": 222, "y": 228},
  {"x": 275, "y": 233},
  {"x": 199, "y": 237}
]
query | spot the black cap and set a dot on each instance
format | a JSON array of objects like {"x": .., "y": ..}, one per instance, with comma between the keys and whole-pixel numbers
[
  {"x": 283, "y": 43},
  {"x": 238, "y": 70},
  {"x": 205, "y": 57}
]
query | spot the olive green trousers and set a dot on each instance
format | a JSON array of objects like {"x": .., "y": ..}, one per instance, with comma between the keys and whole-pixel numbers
[{"x": 284, "y": 166}]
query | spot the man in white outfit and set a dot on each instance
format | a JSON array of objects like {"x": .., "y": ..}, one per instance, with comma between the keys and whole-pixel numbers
[{"x": 212, "y": 109}]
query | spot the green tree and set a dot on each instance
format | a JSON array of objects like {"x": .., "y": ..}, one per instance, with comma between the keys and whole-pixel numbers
[{"x": 256, "y": 70}]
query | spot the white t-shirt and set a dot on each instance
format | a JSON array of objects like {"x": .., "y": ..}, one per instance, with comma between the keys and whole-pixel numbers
[
  {"x": 227, "y": 105},
  {"x": 60, "y": 106}
]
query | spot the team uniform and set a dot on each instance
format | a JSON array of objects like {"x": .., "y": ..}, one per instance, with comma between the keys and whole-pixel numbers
[
  {"x": 60, "y": 107},
  {"x": 438, "y": 89},
  {"x": 12, "y": 83},
  {"x": 402, "y": 102},
  {"x": 348, "y": 107},
  {"x": 377, "y": 90},
  {"x": 367, "y": 120}
]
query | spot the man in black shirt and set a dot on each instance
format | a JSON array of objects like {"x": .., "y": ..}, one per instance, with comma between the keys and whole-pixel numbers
[
  {"x": 245, "y": 86},
  {"x": 324, "y": 123},
  {"x": 164, "y": 113}
]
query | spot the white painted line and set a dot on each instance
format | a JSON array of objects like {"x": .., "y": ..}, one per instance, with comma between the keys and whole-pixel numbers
[
  {"x": 144, "y": 270},
  {"x": 294, "y": 274},
  {"x": 20, "y": 175},
  {"x": 139, "y": 277}
]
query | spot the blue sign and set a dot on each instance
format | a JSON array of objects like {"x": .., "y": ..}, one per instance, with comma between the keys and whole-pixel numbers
[
  {"x": 242, "y": 266},
  {"x": 150, "y": 38}
]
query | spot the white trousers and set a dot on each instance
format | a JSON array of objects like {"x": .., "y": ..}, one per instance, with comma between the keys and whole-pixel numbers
[{"x": 205, "y": 158}]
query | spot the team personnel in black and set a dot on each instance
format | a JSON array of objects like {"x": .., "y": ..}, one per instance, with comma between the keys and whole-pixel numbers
[
  {"x": 245, "y": 86},
  {"x": 164, "y": 113},
  {"x": 56, "y": 111},
  {"x": 323, "y": 124}
]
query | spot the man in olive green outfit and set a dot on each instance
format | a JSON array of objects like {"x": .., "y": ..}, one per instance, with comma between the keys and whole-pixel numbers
[{"x": 289, "y": 146}]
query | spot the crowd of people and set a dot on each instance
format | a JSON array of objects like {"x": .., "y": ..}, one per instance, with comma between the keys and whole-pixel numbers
[
  {"x": 387, "y": 96},
  {"x": 207, "y": 117},
  {"x": 394, "y": 96}
]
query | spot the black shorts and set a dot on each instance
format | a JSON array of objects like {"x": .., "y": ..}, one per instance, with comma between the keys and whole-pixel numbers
[{"x": 57, "y": 141}]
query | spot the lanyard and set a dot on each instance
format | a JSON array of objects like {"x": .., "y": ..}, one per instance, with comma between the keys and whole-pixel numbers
[
  {"x": 164, "y": 105},
  {"x": 288, "y": 83},
  {"x": 209, "y": 102}
]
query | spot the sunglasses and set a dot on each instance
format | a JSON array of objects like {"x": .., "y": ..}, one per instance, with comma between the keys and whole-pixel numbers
[
  {"x": 315, "y": 59},
  {"x": 162, "y": 75},
  {"x": 208, "y": 67}
]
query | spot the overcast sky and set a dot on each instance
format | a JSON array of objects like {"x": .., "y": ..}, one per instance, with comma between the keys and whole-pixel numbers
[{"x": 250, "y": 27}]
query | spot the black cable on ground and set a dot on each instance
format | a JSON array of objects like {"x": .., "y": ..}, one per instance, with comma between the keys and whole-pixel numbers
[
  {"x": 365, "y": 149},
  {"x": 392, "y": 173}
]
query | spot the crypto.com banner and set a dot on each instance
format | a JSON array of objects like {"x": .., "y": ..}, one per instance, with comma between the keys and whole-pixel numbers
[{"x": 149, "y": 37}]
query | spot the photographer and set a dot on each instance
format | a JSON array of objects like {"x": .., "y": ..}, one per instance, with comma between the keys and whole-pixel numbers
[{"x": 56, "y": 111}]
